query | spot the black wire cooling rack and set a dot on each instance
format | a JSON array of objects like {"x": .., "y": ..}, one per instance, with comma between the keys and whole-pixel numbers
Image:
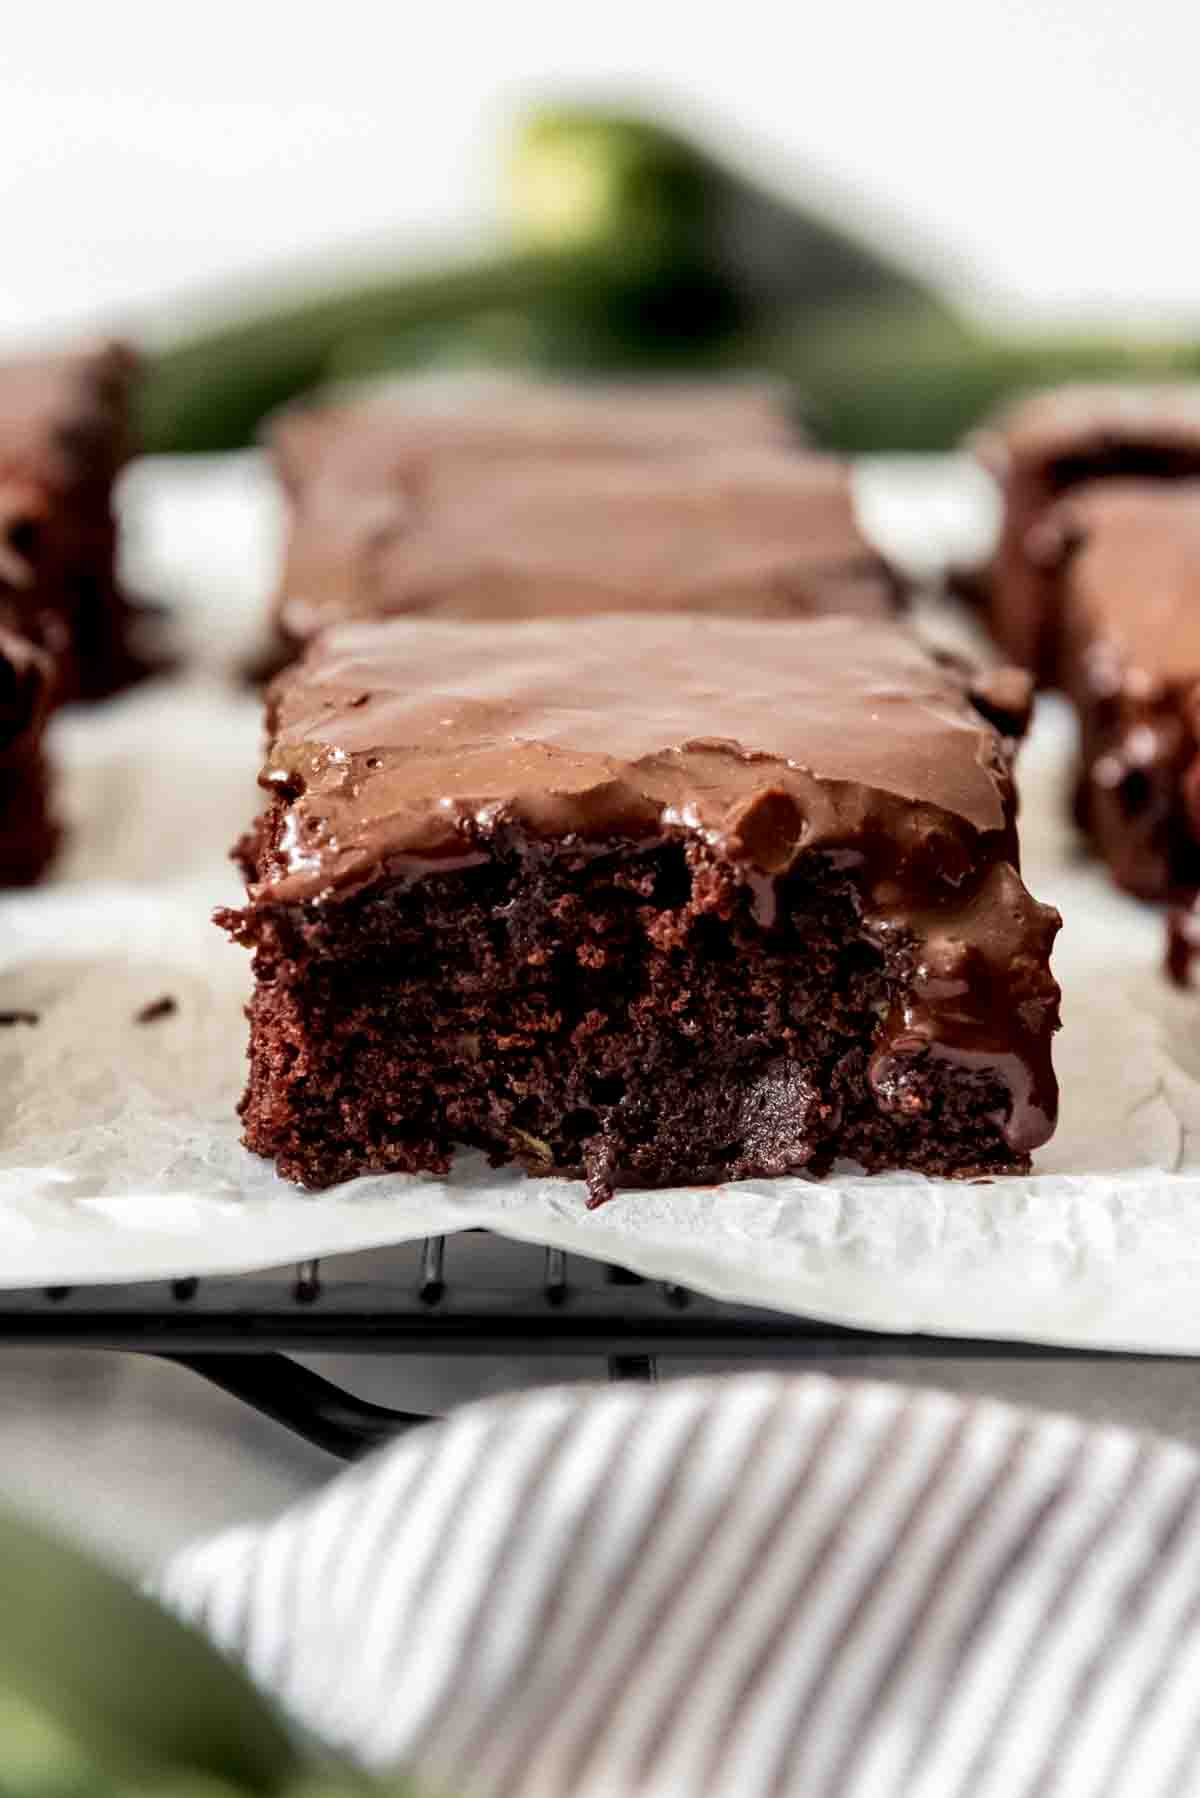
[{"x": 470, "y": 1294}]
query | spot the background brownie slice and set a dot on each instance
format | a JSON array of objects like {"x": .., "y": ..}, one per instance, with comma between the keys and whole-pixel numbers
[
  {"x": 1049, "y": 444},
  {"x": 646, "y": 899},
  {"x": 64, "y": 436},
  {"x": 359, "y": 472},
  {"x": 390, "y": 433},
  {"x": 759, "y": 532},
  {"x": 1125, "y": 560},
  {"x": 28, "y": 833}
]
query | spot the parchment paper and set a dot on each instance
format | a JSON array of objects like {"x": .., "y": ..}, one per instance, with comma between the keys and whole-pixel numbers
[{"x": 119, "y": 1154}]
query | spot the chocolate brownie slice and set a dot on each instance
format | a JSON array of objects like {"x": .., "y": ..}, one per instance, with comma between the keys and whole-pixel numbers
[
  {"x": 1049, "y": 444},
  {"x": 28, "y": 833},
  {"x": 645, "y": 899},
  {"x": 1124, "y": 557},
  {"x": 64, "y": 436},
  {"x": 763, "y": 533},
  {"x": 363, "y": 475}
]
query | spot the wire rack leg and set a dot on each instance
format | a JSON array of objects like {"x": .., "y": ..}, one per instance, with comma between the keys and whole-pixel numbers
[{"x": 301, "y": 1400}]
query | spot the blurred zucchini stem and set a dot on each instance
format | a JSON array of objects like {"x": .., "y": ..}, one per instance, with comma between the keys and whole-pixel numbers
[{"x": 632, "y": 249}]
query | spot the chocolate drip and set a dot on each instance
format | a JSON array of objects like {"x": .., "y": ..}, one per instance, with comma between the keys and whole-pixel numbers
[{"x": 981, "y": 996}]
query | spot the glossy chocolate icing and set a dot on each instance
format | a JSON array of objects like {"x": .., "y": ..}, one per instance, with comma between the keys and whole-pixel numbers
[
  {"x": 385, "y": 434},
  {"x": 760, "y": 532},
  {"x": 401, "y": 501},
  {"x": 409, "y": 747}
]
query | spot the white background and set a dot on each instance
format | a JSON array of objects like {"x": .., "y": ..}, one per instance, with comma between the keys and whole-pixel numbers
[{"x": 1049, "y": 149}]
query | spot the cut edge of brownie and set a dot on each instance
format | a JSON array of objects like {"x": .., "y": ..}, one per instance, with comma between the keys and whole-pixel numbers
[{"x": 600, "y": 1017}]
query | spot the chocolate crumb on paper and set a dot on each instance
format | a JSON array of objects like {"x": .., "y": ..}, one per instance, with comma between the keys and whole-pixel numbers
[{"x": 165, "y": 1007}]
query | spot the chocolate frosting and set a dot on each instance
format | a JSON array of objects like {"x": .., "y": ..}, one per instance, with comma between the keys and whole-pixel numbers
[
  {"x": 399, "y": 499},
  {"x": 410, "y": 747},
  {"x": 384, "y": 434},
  {"x": 761, "y": 532}
]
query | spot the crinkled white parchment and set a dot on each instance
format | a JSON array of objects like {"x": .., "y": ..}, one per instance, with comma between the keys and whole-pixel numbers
[{"x": 119, "y": 1153}]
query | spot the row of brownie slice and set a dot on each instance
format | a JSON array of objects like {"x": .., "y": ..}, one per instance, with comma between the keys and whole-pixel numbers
[
  {"x": 1095, "y": 588},
  {"x": 617, "y": 823},
  {"x": 67, "y": 631}
]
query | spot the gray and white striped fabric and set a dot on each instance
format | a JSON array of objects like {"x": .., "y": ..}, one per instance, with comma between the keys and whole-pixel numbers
[{"x": 757, "y": 1585}]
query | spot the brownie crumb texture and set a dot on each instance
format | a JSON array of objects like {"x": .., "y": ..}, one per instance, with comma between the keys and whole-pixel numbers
[{"x": 630, "y": 1022}]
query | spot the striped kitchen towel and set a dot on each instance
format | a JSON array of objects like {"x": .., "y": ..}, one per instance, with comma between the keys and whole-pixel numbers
[{"x": 758, "y": 1585}]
